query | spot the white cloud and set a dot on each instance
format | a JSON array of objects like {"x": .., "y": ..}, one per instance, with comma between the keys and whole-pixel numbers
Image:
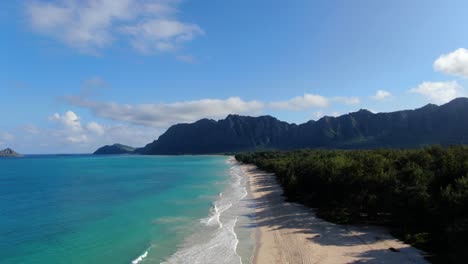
[
  {"x": 70, "y": 133},
  {"x": 159, "y": 35},
  {"x": 439, "y": 92},
  {"x": 135, "y": 136},
  {"x": 161, "y": 115},
  {"x": 307, "y": 101},
  {"x": 381, "y": 95},
  {"x": 47, "y": 16},
  {"x": 77, "y": 138},
  {"x": 89, "y": 25},
  {"x": 454, "y": 63},
  {"x": 300, "y": 103},
  {"x": 70, "y": 127},
  {"x": 69, "y": 120},
  {"x": 95, "y": 128}
]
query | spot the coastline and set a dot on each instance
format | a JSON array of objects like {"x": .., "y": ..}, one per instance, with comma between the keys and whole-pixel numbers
[
  {"x": 291, "y": 233},
  {"x": 216, "y": 236}
]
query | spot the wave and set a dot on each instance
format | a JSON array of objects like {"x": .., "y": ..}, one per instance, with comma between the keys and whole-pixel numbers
[
  {"x": 221, "y": 247},
  {"x": 217, "y": 245},
  {"x": 140, "y": 258}
]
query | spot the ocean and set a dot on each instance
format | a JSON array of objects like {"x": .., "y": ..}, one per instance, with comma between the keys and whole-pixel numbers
[{"x": 124, "y": 209}]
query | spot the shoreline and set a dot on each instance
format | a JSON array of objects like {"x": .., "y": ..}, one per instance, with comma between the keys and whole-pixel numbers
[
  {"x": 291, "y": 233},
  {"x": 216, "y": 236}
]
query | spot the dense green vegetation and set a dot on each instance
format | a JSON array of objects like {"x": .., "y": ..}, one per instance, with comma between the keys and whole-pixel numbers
[{"x": 421, "y": 194}]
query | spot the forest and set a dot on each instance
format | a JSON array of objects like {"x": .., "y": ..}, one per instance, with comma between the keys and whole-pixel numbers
[{"x": 421, "y": 195}]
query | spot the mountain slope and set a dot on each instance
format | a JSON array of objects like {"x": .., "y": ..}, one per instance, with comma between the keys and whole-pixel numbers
[
  {"x": 446, "y": 124},
  {"x": 114, "y": 149},
  {"x": 235, "y": 133}
]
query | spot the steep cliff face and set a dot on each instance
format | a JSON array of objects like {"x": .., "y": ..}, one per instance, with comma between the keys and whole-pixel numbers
[
  {"x": 235, "y": 133},
  {"x": 446, "y": 124}
]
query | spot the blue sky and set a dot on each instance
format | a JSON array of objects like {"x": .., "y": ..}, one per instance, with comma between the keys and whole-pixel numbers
[{"x": 76, "y": 75}]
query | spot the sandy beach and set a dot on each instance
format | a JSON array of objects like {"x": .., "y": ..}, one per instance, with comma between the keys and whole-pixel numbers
[{"x": 291, "y": 233}]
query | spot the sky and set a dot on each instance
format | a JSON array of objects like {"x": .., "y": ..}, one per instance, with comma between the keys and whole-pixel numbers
[{"x": 79, "y": 74}]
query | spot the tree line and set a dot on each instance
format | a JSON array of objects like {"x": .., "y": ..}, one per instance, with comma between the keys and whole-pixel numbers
[{"x": 420, "y": 194}]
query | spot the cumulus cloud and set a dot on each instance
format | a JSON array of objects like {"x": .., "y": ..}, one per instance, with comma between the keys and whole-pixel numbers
[
  {"x": 159, "y": 35},
  {"x": 454, "y": 63},
  {"x": 70, "y": 131},
  {"x": 439, "y": 92},
  {"x": 381, "y": 95},
  {"x": 139, "y": 124},
  {"x": 307, "y": 101},
  {"x": 69, "y": 120},
  {"x": 89, "y": 25},
  {"x": 300, "y": 103},
  {"x": 162, "y": 115},
  {"x": 95, "y": 128}
]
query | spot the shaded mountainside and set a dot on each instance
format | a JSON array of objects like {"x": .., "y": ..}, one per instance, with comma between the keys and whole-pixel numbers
[
  {"x": 446, "y": 125},
  {"x": 115, "y": 149},
  {"x": 235, "y": 133},
  {"x": 8, "y": 152}
]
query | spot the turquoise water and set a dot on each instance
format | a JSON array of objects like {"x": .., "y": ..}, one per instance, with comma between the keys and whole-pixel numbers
[{"x": 111, "y": 209}]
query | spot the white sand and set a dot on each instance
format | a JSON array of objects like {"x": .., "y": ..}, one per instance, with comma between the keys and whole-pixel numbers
[{"x": 291, "y": 233}]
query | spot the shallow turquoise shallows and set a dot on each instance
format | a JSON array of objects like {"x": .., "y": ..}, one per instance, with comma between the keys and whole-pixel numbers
[{"x": 103, "y": 209}]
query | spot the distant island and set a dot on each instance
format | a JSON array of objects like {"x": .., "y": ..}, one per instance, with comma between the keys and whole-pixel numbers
[
  {"x": 114, "y": 149},
  {"x": 8, "y": 152},
  {"x": 446, "y": 125}
]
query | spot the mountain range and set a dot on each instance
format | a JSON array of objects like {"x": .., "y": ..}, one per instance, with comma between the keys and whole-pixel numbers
[{"x": 446, "y": 125}]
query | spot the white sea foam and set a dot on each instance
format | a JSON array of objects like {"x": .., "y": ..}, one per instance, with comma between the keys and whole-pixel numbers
[
  {"x": 140, "y": 258},
  {"x": 216, "y": 241},
  {"x": 221, "y": 248},
  {"x": 216, "y": 210}
]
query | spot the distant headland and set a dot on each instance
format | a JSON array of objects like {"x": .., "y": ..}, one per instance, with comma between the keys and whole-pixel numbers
[
  {"x": 8, "y": 152},
  {"x": 114, "y": 149}
]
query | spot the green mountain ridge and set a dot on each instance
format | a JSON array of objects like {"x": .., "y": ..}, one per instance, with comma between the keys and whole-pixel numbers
[
  {"x": 446, "y": 125},
  {"x": 114, "y": 149}
]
